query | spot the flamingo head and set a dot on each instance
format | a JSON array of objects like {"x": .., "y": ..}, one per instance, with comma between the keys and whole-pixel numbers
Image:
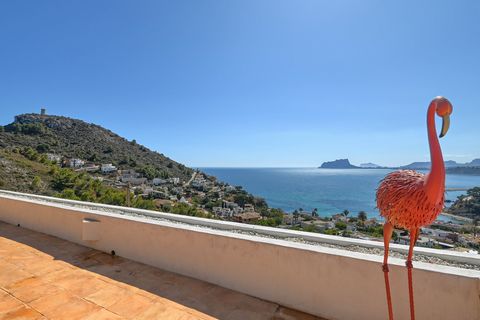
[{"x": 444, "y": 109}]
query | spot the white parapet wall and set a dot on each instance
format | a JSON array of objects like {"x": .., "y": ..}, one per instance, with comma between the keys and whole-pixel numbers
[{"x": 327, "y": 282}]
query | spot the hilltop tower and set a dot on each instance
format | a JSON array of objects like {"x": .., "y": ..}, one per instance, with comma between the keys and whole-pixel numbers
[{"x": 43, "y": 111}]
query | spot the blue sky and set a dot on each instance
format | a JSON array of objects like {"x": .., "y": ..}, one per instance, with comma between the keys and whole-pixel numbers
[{"x": 250, "y": 83}]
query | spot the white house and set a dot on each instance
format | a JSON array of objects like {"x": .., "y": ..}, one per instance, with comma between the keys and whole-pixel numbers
[
  {"x": 229, "y": 204},
  {"x": 76, "y": 163},
  {"x": 158, "y": 181},
  {"x": 134, "y": 181},
  {"x": 249, "y": 208},
  {"x": 108, "y": 168},
  {"x": 223, "y": 212},
  {"x": 129, "y": 175},
  {"x": 436, "y": 232}
]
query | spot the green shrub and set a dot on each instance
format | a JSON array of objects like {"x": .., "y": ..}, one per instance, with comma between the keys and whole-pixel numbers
[
  {"x": 27, "y": 128},
  {"x": 36, "y": 183},
  {"x": 341, "y": 225}
]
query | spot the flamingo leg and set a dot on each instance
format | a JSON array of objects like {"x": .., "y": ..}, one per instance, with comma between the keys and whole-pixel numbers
[
  {"x": 387, "y": 235},
  {"x": 413, "y": 239}
]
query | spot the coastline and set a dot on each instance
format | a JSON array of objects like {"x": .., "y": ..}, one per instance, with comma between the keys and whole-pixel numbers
[
  {"x": 330, "y": 190},
  {"x": 456, "y": 217}
]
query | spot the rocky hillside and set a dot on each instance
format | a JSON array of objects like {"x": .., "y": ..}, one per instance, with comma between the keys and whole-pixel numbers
[
  {"x": 19, "y": 173},
  {"x": 73, "y": 138},
  {"x": 67, "y": 158},
  {"x": 467, "y": 205}
]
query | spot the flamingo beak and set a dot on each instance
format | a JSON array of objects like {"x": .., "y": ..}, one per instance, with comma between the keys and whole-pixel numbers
[{"x": 445, "y": 125}]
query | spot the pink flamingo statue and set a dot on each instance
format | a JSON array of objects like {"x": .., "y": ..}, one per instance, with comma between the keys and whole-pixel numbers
[{"x": 408, "y": 199}]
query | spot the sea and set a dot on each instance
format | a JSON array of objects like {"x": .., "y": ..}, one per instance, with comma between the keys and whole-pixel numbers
[{"x": 329, "y": 190}]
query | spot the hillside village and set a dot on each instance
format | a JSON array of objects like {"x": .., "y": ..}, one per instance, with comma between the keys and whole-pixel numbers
[{"x": 169, "y": 191}]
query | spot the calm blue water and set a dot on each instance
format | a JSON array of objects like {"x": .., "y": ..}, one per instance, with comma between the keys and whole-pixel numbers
[{"x": 329, "y": 190}]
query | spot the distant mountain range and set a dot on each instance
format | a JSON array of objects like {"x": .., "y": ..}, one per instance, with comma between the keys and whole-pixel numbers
[
  {"x": 472, "y": 167},
  {"x": 426, "y": 165}
]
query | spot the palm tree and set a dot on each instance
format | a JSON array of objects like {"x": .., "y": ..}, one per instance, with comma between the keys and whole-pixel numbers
[
  {"x": 362, "y": 216},
  {"x": 295, "y": 216},
  {"x": 346, "y": 212},
  {"x": 315, "y": 212}
]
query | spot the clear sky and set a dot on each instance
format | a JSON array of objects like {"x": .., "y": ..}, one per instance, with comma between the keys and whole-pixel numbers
[{"x": 250, "y": 82}]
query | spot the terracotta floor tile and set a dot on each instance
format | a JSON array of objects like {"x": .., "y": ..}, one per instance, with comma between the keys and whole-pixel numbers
[
  {"x": 12, "y": 275},
  {"x": 57, "y": 275},
  {"x": 5, "y": 266},
  {"x": 108, "y": 295},
  {"x": 85, "y": 287},
  {"x": 68, "y": 280},
  {"x": 64, "y": 306},
  {"x": 50, "y": 302},
  {"x": 22, "y": 313},
  {"x": 32, "y": 289},
  {"x": 161, "y": 311},
  {"x": 103, "y": 314},
  {"x": 43, "y": 266},
  {"x": 27, "y": 282},
  {"x": 146, "y": 294},
  {"x": 154, "y": 310},
  {"x": 7, "y": 302},
  {"x": 130, "y": 306},
  {"x": 43, "y": 276},
  {"x": 21, "y": 260},
  {"x": 3, "y": 292}
]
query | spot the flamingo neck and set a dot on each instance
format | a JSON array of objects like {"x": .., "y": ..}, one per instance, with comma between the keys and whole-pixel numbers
[{"x": 435, "y": 182}]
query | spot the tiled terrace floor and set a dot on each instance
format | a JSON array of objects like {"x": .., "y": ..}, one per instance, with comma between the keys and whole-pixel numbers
[{"x": 43, "y": 277}]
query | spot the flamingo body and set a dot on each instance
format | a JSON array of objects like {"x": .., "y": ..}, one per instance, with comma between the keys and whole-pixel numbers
[
  {"x": 410, "y": 200},
  {"x": 404, "y": 202}
]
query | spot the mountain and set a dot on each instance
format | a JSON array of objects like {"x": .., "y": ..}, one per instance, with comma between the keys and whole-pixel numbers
[
  {"x": 426, "y": 165},
  {"x": 449, "y": 164},
  {"x": 73, "y": 138},
  {"x": 369, "y": 165},
  {"x": 338, "y": 164},
  {"x": 473, "y": 163}
]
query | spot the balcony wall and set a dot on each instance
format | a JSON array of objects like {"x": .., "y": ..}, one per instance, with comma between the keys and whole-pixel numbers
[{"x": 327, "y": 282}]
